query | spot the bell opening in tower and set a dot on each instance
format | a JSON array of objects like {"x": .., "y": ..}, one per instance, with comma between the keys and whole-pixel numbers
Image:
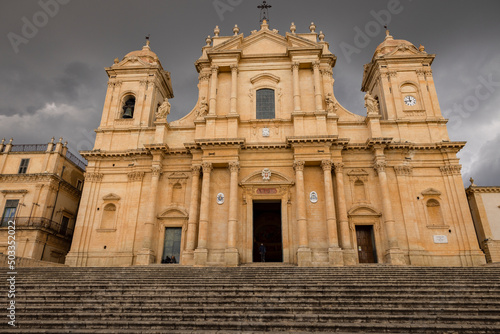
[{"x": 267, "y": 234}]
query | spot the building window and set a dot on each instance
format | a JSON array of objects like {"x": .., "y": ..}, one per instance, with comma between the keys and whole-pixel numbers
[
  {"x": 23, "y": 167},
  {"x": 10, "y": 211},
  {"x": 64, "y": 225},
  {"x": 79, "y": 185},
  {"x": 128, "y": 107},
  {"x": 265, "y": 103}
]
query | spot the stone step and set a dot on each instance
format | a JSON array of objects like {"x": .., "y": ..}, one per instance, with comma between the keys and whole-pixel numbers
[
  {"x": 284, "y": 326},
  {"x": 264, "y": 317},
  {"x": 299, "y": 309},
  {"x": 177, "y": 286},
  {"x": 255, "y": 304}
]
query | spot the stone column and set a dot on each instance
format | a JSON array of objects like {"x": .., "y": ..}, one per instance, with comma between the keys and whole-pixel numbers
[
  {"x": 318, "y": 95},
  {"x": 188, "y": 254},
  {"x": 201, "y": 253},
  {"x": 147, "y": 255},
  {"x": 334, "y": 252},
  {"x": 304, "y": 252},
  {"x": 232, "y": 257},
  {"x": 350, "y": 256},
  {"x": 213, "y": 90},
  {"x": 234, "y": 87},
  {"x": 394, "y": 254},
  {"x": 296, "y": 86}
]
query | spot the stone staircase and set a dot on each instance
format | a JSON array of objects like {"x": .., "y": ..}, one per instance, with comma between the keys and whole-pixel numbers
[{"x": 255, "y": 299}]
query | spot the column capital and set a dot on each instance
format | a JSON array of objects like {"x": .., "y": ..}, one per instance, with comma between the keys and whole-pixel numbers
[
  {"x": 326, "y": 72},
  {"x": 316, "y": 64},
  {"x": 380, "y": 166},
  {"x": 403, "y": 170},
  {"x": 207, "y": 167},
  {"x": 135, "y": 176},
  {"x": 156, "y": 171},
  {"x": 298, "y": 165},
  {"x": 295, "y": 65},
  {"x": 195, "y": 170},
  {"x": 234, "y": 67},
  {"x": 234, "y": 166},
  {"x": 214, "y": 68},
  {"x": 326, "y": 165},
  {"x": 204, "y": 76},
  {"x": 450, "y": 169},
  {"x": 338, "y": 166}
]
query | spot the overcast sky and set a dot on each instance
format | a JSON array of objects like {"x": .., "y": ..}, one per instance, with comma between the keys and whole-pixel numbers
[{"x": 53, "y": 81}]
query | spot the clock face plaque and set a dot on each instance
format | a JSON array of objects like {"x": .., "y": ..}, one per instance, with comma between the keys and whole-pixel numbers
[{"x": 410, "y": 100}]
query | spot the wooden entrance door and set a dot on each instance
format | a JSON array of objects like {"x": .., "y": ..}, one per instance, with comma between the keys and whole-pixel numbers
[{"x": 366, "y": 248}]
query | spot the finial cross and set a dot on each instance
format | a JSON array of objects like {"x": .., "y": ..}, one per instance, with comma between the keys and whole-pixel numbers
[{"x": 264, "y": 11}]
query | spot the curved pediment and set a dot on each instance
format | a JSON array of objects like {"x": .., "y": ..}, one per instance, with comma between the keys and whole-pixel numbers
[
  {"x": 174, "y": 211},
  {"x": 364, "y": 210},
  {"x": 265, "y": 77},
  {"x": 257, "y": 179}
]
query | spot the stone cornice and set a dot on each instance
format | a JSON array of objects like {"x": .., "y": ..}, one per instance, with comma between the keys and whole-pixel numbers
[
  {"x": 311, "y": 139},
  {"x": 263, "y": 146},
  {"x": 219, "y": 142},
  {"x": 37, "y": 177},
  {"x": 478, "y": 189},
  {"x": 108, "y": 154}
]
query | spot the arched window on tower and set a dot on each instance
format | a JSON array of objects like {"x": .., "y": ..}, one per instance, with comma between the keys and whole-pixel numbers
[
  {"x": 265, "y": 103},
  {"x": 128, "y": 107}
]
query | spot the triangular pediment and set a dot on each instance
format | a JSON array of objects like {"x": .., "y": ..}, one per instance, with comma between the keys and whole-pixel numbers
[
  {"x": 264, "y": 42},
  {"x": 231, "y": 44},
  {"x": 405, "y": 50},
  {"x": 133, "y": 62},
  {"x": 431, "y": 192},
  {"x": 111, "y": 197},
  {"x": 295, "y": 41}
]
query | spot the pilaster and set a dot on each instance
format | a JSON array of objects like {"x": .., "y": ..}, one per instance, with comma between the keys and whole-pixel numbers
[
  {"x": 201, "y": 253},
  {"x": 304, "y": 252},
  {"x": 334, "y": 251},
  {"x": 232, "y": 255}
]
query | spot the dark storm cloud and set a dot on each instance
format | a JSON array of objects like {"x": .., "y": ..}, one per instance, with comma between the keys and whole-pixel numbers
[
  {"x": 486, "y": 169},
  {"x": 56, "y": 82}
]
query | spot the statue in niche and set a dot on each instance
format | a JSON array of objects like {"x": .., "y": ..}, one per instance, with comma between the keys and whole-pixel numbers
[
  {"x": 371, "y": 104},
  {"x": 203, "y": 110},
  {"x": 331, "y": 106},
  {"x": 163, "y": 110}
]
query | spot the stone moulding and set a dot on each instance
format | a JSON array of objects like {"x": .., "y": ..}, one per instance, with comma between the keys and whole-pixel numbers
[{"x": 479, "y": 189}]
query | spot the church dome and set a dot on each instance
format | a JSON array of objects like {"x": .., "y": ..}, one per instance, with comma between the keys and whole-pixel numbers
[
  {"x": 145, "y": 54},
  {"x": 390, "y": 44}
]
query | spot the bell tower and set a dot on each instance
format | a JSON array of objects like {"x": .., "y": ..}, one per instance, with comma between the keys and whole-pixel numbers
[
  {"x": 399, "y": 78},
  {"x": 137, "y": 96}
]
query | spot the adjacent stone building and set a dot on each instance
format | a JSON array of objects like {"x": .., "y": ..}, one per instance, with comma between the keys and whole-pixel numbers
[
  {"x": 40, "y": 189},
  {"x": 269, "y": 156},
  {"x": 484, "y": 205}
]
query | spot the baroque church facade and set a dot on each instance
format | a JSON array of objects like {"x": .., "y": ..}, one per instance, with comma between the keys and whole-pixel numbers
[{"x": 269, "y": 156}]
